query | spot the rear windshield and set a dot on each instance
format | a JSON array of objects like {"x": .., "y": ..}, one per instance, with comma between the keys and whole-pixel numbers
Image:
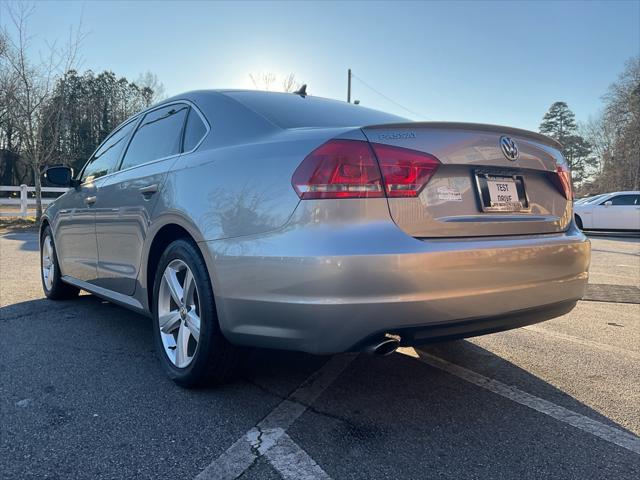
[{"x": 288, "y": 110}]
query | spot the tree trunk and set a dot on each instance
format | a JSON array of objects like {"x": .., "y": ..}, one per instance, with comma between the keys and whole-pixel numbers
[
  {"x": 38, "y": 184},
  {"x": 7, "y": 158}
]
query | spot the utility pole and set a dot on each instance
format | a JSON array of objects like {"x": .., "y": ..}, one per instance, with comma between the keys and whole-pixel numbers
[{"x": 349, "y": 86}]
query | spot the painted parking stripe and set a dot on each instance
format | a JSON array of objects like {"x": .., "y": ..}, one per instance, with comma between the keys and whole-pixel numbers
[
  {"x": 610, "y": 434},
  {"x": 584, "y": 342},
  {"x": 271, "y": 429},
  {"x": 292, "y": 462},
  {"x": 232, "y": 463}
]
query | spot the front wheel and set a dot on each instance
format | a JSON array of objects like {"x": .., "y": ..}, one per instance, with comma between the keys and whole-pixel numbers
[
  {"x": 188, "y": 339},
  {"x": 578, "y": 222}
]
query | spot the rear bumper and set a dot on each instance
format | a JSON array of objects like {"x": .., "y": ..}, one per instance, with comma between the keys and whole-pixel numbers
[
  {"x": 446, "y": 331},
  {"x": 327, "y": 288}
]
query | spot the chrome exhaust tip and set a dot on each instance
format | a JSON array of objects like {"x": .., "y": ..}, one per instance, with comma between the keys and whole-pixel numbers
[{"x": 384, "y": 347}]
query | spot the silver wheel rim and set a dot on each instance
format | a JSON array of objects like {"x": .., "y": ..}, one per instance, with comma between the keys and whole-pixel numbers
[
  {"x": 179, "y": 313},
  {"x": 48, "y": 266}
]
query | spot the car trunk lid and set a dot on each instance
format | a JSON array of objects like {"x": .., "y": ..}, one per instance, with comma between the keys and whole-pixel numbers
[{"x": 460, "y": 198}]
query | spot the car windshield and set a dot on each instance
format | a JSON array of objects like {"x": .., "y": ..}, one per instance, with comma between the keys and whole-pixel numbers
[{"x": 594, "y": 199}]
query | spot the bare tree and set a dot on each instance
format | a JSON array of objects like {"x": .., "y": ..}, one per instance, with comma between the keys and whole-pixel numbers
[
  {"x": 7, "y": 81},
  {"x": 289, "y": 83},
  {"x": 600, "y": 136},
  {"x": 615, "y": 133},
  {"x": 268, "y": 80},
  {"x": 150, "y": 81},
  {"x": 263, "y": 81},
  {"x": 33, "y": 83}
]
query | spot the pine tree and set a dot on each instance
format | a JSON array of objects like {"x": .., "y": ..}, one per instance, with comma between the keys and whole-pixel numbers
[{"x": 560, "y": 124}]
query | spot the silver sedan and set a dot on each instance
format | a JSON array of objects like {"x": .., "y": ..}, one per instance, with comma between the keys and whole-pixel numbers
[{"x": 244, "y": 218}]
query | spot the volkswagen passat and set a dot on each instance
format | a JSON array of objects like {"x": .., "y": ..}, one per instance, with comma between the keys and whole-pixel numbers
[{"x": 244, "y": 218}]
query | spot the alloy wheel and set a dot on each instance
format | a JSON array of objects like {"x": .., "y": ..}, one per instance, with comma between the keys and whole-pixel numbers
[
  {"x": 48, "y": 265},
  {"x": 179, "y": 313}
]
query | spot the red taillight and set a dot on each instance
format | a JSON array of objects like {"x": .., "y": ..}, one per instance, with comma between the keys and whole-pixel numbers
[
  {"x": 562, "y": 181},
  {"x": 405, "y": 172},
  {"x": 339, "y": 169},
  {"x": 348, "y": 169}
]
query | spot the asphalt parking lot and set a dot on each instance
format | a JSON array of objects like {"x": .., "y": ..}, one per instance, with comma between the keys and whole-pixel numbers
[{"x": 82, "y": 396}]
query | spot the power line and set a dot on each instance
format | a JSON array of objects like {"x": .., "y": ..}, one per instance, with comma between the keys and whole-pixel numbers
[{"x": 389, "y": 99}]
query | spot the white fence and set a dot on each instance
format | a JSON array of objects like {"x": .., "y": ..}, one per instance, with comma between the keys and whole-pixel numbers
[{"x": 24, "y": 201}]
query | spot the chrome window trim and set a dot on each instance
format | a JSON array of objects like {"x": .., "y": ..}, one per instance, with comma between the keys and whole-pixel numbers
[
  {"x": 142, "y": 117},
  {"x": 144, "y": 114},
  {"x": 138, "y": 117}
]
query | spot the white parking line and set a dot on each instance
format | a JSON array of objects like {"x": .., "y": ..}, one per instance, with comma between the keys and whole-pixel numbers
[
  {"x": 232, "y": 463},
  {"x": 586, "y": 424},
  {"x": 584, "y": 342},
  {"x": 292, "y": 462},
  {"x": 271, "y": 431}
]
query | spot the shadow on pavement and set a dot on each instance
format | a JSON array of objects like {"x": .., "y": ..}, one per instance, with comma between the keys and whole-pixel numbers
[
  {"x": 29, "y": 240},
  {"x": 89, "y": 371},
  {"x": 106, "y": 327}
]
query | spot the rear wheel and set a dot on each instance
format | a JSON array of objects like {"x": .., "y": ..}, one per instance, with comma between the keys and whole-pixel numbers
[
  {"x": 188, "y": 339},
  {"x": 578, "y": 221},
  {"x": 52, "y": 284}
]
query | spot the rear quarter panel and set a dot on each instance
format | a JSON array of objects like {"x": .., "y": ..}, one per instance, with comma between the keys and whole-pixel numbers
[
  {"x": 241, "y": 189},
  {"x": 234, "y": 191}
]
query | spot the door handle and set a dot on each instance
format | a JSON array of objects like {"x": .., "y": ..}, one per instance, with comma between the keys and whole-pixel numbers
[
  {"x": 90, "y": 200},
  {"x": 148, "y": 190}
]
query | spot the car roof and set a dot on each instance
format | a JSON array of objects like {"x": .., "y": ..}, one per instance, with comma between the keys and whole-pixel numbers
[
  {"x": 195, "y": 95},
  {"x": 255, "y": 111}
]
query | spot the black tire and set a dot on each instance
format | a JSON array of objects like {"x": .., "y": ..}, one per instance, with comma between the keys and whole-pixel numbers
[
  {"x": 578, "y": 222},
  {"x": 215, "y": 360},
  {"x": 58, "y": 289}
]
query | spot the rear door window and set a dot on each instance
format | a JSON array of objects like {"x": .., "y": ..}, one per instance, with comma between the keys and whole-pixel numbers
[
  {"x": 158, "y": 136},
  {"x": 195, "y": 130}
]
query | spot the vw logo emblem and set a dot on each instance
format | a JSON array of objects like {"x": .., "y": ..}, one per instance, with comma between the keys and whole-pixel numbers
[{"x": 509, "y": 148}]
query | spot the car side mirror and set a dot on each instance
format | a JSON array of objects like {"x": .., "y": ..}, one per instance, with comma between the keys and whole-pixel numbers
[
  {"x": 608, "y": 203},
  {"x": 61, "y": 176}
]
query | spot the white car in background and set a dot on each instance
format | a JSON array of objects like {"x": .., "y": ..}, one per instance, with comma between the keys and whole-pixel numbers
[
  {"x": 589, "y": 199},
  {"x": 611, "y": 211}
]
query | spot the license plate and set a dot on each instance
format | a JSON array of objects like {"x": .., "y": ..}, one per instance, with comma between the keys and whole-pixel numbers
[{"x": 501, "y": 193}]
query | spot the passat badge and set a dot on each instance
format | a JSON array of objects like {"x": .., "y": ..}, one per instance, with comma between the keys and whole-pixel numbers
[
  {"x": 396, "y": 136},
  {"x": 509, "y": 148}
]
